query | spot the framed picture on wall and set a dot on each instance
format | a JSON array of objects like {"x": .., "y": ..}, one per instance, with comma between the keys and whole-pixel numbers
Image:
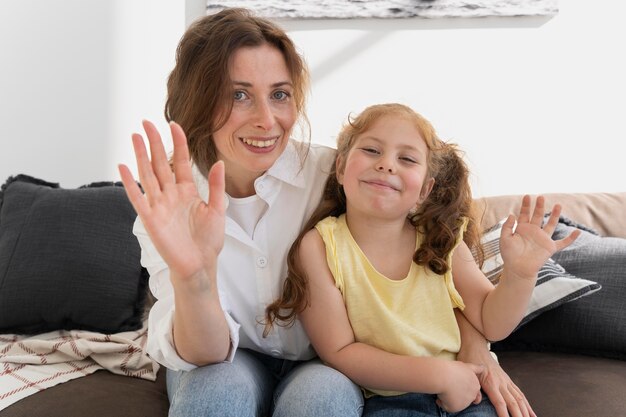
[{"x": 389, "y": 9}]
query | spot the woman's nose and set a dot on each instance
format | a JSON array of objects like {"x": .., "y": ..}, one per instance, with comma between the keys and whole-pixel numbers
[{"x": 264, "y": 117}]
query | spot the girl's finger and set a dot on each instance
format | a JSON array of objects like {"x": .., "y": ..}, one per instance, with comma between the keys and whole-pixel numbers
[
  {"x": 539, "y": 211},
  {"x": 507, "y": 226},
  {"x": 553, "y": 220},
  {"x": 566, "y": 241},
  {"x": 524, "y": 213},
  {"x": 159, "y": 160}
]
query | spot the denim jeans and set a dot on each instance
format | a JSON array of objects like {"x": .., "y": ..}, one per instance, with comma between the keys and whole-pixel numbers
[
  {"x": 421, "y": 405},
  {"x": 256, "y": 385}
]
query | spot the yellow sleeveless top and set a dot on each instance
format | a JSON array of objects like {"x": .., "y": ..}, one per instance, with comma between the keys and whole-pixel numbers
[{"x": 412, "y": 316}]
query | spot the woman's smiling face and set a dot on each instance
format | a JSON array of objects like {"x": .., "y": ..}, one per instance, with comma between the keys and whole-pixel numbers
[{"x": 263, "y": 115}]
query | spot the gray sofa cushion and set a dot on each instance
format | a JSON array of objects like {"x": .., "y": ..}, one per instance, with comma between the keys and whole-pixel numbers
[{"x": 68, "y": 258}]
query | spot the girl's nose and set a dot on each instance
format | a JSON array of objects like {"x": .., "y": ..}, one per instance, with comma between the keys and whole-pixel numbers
[{"x": 385, "y": 165}]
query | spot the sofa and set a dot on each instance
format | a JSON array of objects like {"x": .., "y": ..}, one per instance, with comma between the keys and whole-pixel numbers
[{"x": 569, "y": 357}]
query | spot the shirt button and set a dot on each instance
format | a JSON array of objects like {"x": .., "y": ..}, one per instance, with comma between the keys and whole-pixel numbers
[
  {"x": 275, "y": 352},
  {"x": 261, "y": 261}
]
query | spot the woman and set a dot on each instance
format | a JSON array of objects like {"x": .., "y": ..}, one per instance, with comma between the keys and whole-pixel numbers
[{"x": 217, "y": 258}]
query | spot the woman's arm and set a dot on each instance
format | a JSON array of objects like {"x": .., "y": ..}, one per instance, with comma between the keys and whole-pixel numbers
[
  {"x": 505, "y": 396},
  {"x": 327, "y": 325},
  {"x": 189, "y": 235}
]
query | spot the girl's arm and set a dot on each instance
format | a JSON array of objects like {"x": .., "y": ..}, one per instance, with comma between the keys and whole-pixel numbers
[
  {"x": 189, "y": 235},
  {"x": 326, "y": 322},
  {"x": 496, "y": 311}
]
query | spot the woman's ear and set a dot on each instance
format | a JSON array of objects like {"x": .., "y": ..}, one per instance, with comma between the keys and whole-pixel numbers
[{"x": 427, "y": 187}]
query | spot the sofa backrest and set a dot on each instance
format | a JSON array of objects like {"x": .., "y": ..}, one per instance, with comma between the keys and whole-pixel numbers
[{"x": 603, "y": 212}]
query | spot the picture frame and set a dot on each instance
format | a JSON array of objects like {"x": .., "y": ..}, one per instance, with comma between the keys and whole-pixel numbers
[{"x": 389, "y": 9}]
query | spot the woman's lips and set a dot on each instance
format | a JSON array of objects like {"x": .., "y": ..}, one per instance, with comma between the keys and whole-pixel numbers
[{"x": 259, "y": 145}]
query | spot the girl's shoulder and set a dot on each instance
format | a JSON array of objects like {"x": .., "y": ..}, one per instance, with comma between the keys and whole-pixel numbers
[{"x": 330, "y": 223}]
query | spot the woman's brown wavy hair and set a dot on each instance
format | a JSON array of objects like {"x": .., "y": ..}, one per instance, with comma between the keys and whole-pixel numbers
[
  {"x": 199, "y": 92},
  {"x": 438, "y": 219}
]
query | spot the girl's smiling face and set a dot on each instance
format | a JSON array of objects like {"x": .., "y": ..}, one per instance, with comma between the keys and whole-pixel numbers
[
  {"x": 260, "y": 123},
  {"x": 386, "y": 170}
]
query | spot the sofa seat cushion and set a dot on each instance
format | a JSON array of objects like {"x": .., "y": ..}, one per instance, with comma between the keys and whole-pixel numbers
[
  {"x": 101, "y": 394},
  {"x": 568, "y": 385}
]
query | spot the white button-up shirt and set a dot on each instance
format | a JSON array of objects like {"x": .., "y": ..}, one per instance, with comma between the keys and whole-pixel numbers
[{"x": 250, "y": 270}]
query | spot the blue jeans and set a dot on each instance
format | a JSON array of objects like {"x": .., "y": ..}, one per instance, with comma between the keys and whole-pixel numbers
[
  {"x": 421, "y": 405},
  {"x": 256, "y": 385}
]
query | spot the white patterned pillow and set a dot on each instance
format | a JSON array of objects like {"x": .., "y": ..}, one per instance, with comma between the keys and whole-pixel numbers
[{"x": 554, "y": 285}]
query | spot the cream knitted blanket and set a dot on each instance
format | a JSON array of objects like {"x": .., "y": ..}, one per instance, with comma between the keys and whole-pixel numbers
[{"x": 29, "y": 364}]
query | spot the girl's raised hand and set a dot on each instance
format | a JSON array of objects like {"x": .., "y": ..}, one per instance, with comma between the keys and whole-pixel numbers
[
  {"x": 187, "y": 232},
  {"x": 527, "y": 246}
]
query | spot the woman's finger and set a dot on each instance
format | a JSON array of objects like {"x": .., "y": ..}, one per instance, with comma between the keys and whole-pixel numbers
[
  {"x": 135, "y": 196},
  {"x": 148, "y": 180},
  {"x": 182, "y": 162},
  {"x": 217, "y": 187},
  {"x": 159, "y": 160},
  {"x": 512, "y": 405}
]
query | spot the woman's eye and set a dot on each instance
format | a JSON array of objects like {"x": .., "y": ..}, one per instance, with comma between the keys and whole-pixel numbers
[
  {"x": 281, "y": 95},
  {"x": 239, "y": 95}
]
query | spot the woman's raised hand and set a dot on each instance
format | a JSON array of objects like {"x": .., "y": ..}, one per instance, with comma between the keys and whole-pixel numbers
[
  {"x": 527, "y": 246},
  {"x": 187, "y": 232}
]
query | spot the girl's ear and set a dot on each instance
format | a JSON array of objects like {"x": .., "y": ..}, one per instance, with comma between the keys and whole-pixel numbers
[
  {"x": 427, "y": 187},
  {"x": 339, "y": 169}
]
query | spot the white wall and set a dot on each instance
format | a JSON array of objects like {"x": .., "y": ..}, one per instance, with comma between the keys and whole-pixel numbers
[
  {"x": 536, "y": 103},
  {"x": 76, "y": 78}
]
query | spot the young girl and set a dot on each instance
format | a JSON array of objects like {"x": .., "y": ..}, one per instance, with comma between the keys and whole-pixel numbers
[{"x": 377, "y": 273}]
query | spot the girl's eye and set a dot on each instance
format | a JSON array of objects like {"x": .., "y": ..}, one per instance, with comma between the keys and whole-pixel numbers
[
  {"x": 239, "y": 95},
  {"x": 370, "y": 151},
  {"x": 280, "y": 95},
  {"x": 408, "y": 159}
]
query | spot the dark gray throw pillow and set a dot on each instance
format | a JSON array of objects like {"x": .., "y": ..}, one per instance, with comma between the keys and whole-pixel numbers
[
  {"x": 68, "y": 258},
  {"x": 592, "y": 325}
]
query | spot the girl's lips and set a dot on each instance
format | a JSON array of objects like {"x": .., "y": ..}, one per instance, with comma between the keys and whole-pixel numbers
[{"x": 381, "y": 184}]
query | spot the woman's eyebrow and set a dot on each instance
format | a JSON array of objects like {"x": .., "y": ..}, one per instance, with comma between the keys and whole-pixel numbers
[{"x": 274, "y": 85}]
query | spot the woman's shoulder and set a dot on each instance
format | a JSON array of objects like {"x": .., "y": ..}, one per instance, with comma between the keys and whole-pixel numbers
[{"x": 315, "y": 154}]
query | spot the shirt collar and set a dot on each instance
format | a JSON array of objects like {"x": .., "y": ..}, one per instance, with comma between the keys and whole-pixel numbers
[{"x": 288, "y": 166}]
